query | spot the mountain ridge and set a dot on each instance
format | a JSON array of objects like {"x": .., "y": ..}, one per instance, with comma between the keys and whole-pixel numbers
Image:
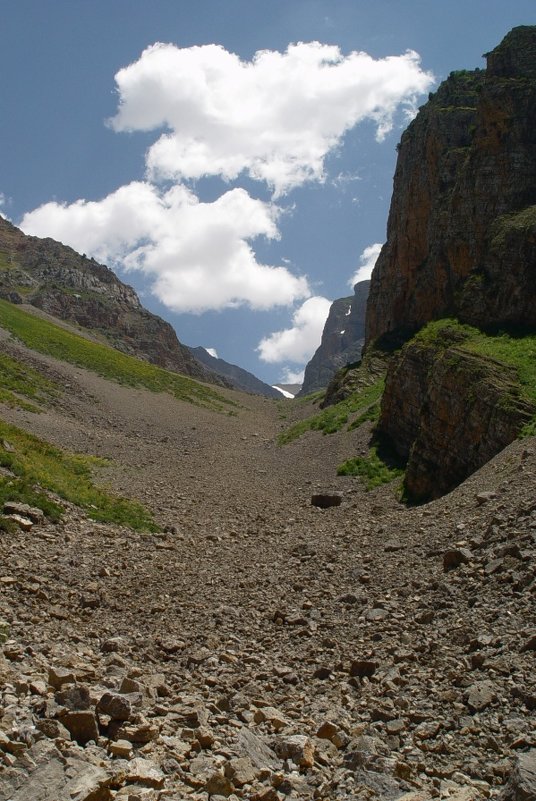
[
  {"x": 69, "y": 286},
  {"x": 235, "y": 375}
]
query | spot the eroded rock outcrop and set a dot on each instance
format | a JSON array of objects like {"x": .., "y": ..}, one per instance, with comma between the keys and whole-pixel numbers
[{"x": 448, "y": 411}]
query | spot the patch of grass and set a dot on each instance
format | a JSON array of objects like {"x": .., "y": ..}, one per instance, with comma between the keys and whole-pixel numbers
[
  {"x": 379, "y": 467},
  {"x": 519, "y": 222},
  {"x": 372, "y": 415},
  {"x": 518, "y": 352},
  {"x": 45, "y": 337},
  {"x": 312, "y": 397},
  {"x": 20, "y": 383},
  {"x": 334, "y": 418},
  {"x": 20, "y": 490},
  {"x": 37, "y": 466}
]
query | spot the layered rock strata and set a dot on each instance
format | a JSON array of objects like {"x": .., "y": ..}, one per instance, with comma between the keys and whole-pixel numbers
[
  {"x": 461, "y": 242},
  {"x": 461, "y": 237},
  {"x": 447, "y": 412}
]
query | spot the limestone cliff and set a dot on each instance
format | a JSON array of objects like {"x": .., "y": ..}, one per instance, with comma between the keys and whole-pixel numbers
[
  {"x": 53, "y": 277},
  {"x": 461, "y": 242},
  {"x": 342, "y": 339},
  {"x": 461, "y": 237}
]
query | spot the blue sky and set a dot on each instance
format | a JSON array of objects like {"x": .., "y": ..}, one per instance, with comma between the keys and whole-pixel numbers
[{"x": 238, "y": 192}]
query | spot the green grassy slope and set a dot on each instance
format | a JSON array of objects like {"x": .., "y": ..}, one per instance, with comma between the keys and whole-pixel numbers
[{"x": 53, "y": 340}]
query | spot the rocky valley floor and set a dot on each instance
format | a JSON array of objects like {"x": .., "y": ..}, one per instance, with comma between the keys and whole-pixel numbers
[{"x": 259, "y": 647}]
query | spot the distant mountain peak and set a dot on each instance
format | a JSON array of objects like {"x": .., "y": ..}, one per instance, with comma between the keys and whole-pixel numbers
[{"x": 235, "y": 375}]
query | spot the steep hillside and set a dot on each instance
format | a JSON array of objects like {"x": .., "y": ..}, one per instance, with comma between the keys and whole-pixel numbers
[
  {"x": 53, "y": 277},
  {"x": 342, "y": 340},
  {"x": 236, "y": 376}
]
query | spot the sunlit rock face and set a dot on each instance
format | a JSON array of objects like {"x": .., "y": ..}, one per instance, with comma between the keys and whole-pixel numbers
[{"x": 461, "y": 238}]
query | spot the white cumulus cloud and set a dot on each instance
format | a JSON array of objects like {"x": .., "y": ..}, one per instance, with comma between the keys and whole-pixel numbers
[
  {"x": 292, "y": 376},
  {"x": 197, "y": 255},
  {"x": 212, "y": 352},
  {"x": 275, "y": 117},
  {"x": 298, "y": 343},
  {"x": 367, "y": 260}
]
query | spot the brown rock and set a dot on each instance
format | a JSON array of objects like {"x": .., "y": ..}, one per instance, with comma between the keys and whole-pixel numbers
[
  {"x": 324, "y": 500},
  {"x": 82, "y": 726},
  {"x": 363, "y": 667},
  {"x": 59, "y": 676},
  {"x": 241, "y": 771},
  {"x": 116, "y": 706},
  {"x": 298, "y": 748},
  {"x": 144, "y": 772}
]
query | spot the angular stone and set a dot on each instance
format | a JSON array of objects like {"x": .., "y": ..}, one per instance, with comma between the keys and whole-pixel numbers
[
  {"x": 327, "y": 730},
  {"x": 298, "y": 748},
  {"x": 82, "y": 726},
  {"x": 140, "y": 733},
  {"x": 144, "y": 772},
  {"x": 129, "y": 685},
  {"x": 252, "y": 746},
  {"x": 240, "y": 771},
  {"x": 363, "y": 668},
  {"x": 324, "y": 500},
  {"x": 23, "y": 523},
  {"x": 32, "y": 513},
  {"x": 120, "y": 748},
  {"x": 272, "y": 716},
  {"x": 455, "y": 557},
  {"x": 481, "y": 695},
  {"x": 74, "y": 698},
  {"x": 396, "y": 726},
  {"x": 521, "y": 785},
  {"x": 59, "y": 676},
  {"x": 376, "y": 615},
  {"x": 192, "y": 715},
  {"x": 116, "y": 706},
  {"x": 204, "y": 737},
  {"x": 218, "y": 784}
]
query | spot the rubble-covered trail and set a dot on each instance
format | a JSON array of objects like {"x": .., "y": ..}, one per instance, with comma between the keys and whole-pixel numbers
[{"x": 261, "y": 648}]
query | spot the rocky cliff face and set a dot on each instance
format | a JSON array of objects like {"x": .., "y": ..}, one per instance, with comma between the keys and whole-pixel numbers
[
  {"x": 342, "y": 339},
  {"x": 461, "y": 243},
  {"x": 447, "y": 412},
  {"x": 55, "y": 278},
  {"x": 461, "y": 238}
]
